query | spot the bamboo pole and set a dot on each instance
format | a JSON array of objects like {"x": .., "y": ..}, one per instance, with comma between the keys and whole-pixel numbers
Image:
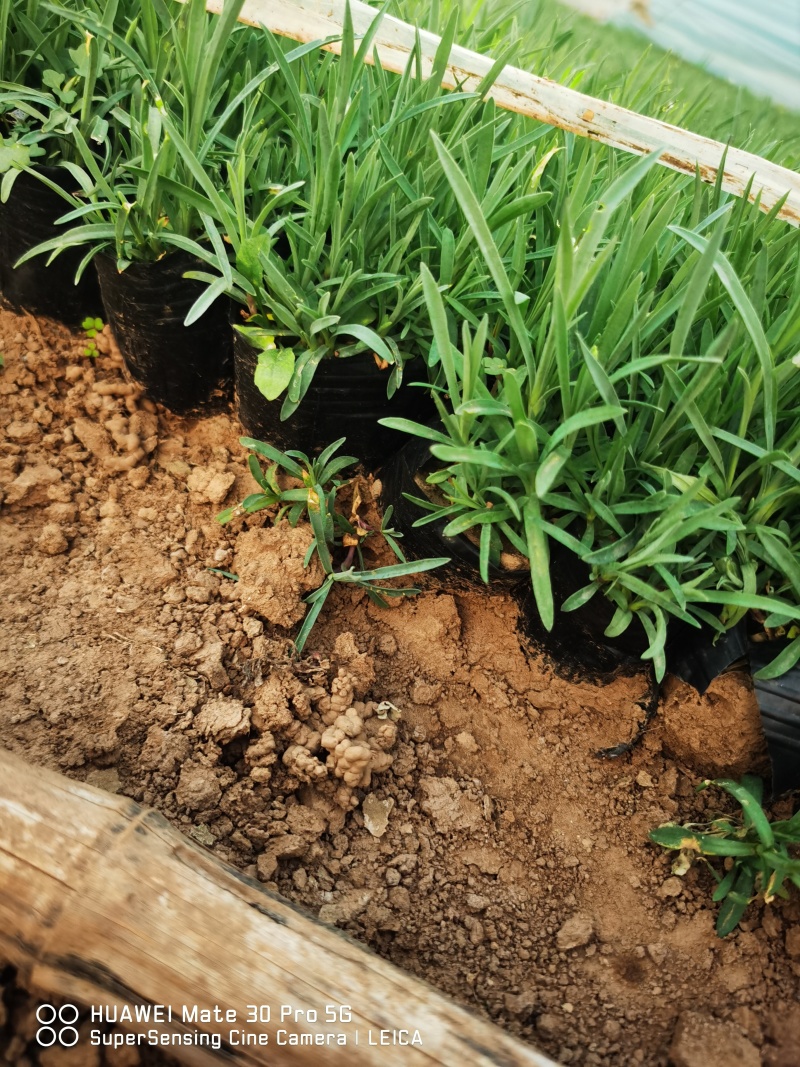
[
  {"x": 104, "y": 904},
  {"x": 547, "y": 101}
]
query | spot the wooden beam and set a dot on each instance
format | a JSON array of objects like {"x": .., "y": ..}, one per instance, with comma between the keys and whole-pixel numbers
[
  {"x": 104, "y": 904},
  {"x": 547, "y": 101}
]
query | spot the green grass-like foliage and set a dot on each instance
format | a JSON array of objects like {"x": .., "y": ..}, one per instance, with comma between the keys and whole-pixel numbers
[
  {"x": 760, "y": 857},
  {"x": 555, "y": 41},
  {"x": 54, "y": 79},
  {"x": 337, "y": 541},
  {"x": 330, "y": 216},
  {"x": 178, "y": 88},
  {"x": 612, "y": 347},
  {"x": 633, "y": 395}
]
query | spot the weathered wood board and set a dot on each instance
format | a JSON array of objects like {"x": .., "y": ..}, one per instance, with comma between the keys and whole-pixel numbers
[
  {"x": 104, "y": 904},
  {"x": 542, "y": 99}
]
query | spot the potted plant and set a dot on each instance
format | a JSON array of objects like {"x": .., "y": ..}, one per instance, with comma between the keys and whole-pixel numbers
[
  {"x": 661, "y": 460},
  {"x": 330, "y": 286},
  {"x": 136, "y": 211},
  {"x": 52, "y": 78},
  {"x": 327, "y": 289}
]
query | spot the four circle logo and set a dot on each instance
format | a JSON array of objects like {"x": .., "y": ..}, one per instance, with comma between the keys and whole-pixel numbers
[{"x": 56, "y": 1025}]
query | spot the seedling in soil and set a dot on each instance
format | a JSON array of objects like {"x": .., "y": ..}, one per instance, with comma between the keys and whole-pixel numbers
[
  {"x": 324, "y": 520},
  {"x": 756, "y": 855},
  {"x": 92, "y": 327},
  {"x": 322, "y": 471},
  {"x": 223, "y": 574},
  {"x": 336, "y": 536}
]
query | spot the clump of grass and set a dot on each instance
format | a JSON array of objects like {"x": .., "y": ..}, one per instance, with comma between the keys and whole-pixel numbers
[
  {"x": 169, "y": 67},
  {"x": 758, "y": 857},
  {"x": 632, "y": 396},
  {"x": 328, "y": 226},
  {"x": 610, "y": 346},
  {"x": 617, "y": 64},
  {"x": 338, "y": 538}
]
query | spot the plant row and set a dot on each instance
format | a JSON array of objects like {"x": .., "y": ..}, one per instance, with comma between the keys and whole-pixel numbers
[{"x": 611, "y": 349}]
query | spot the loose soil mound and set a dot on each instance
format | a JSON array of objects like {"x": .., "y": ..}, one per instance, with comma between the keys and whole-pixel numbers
[{"x": 474, "y": 838}]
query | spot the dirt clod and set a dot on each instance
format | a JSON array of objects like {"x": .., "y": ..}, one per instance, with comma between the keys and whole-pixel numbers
[
  {"x": 198, "y": 788},
  {"x": 223, "y": 719},
  {"x": 700, "y": 1041},
  {"x": 670, "y": 887},
  {"x": 376, "y": 814},
  {"x": 30, "y": 488},
  {"x": 272, "y": 578},
  {"x": 447, "y": 805},
  {"x": 210, "y": 485},
  {"x": 347, "y": 908},
  {"x": 52, "y": 540},
  {"x": 727, "y": 713},
  {"x": 576, "y": 932}
]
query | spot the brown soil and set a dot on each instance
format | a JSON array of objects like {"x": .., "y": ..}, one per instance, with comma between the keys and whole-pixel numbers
[{"x": 475, "y": 839}]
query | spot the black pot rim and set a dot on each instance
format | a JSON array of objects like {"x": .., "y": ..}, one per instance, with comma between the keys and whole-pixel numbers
[{"x": 346, "y": 398}]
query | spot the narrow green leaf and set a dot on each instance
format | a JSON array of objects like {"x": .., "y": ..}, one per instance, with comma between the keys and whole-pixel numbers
[
  {"x": 736, "y": 902},
  {"x": 783, "y": 662},
  {"x": 583, "y": 419},
  {"x": 272, "y": 453},
  {"x": 483, "y": 235},
  {"x": 398, "y": 570},
  {"x": 480, "y": 457},
  {"x": 539, "y": 557},
  {"x": 751, "y": 807},
  {"x": 741, "y": 301},
  {"x": 319, "y": 597}
]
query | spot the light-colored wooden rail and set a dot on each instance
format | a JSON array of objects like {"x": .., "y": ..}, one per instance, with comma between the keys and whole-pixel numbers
[
  {"x": 104, "y": 904},
  {"x": 547, "y": 101}
]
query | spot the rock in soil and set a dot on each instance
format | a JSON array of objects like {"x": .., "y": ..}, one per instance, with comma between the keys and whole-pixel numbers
[{"x": 575, "y": 933}]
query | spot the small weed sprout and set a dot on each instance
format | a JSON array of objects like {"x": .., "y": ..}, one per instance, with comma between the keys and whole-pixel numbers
[
  {"x": 756, "y": 854},
  {"x": 338, "y": 539},
  {"x": 91, "y": 327}
]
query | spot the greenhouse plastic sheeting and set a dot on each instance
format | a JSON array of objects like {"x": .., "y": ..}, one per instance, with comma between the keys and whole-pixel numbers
[{"x": 752, "y": 44}]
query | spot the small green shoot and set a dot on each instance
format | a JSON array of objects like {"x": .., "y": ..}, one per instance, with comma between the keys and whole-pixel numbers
[
  {"x": 758, "y": 856},
  {"x": 337, "y": 538},
  {"x": 223, "y": 574},
  {"x": 323, "y": 470},
  {"x": 91, "y": 327},
  {"x": 323, "y": 523}
]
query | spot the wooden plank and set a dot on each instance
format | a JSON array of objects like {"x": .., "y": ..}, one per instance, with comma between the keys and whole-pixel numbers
[
  {"x": 547, "y": 101},
  {"x": 103, "y": 903}
]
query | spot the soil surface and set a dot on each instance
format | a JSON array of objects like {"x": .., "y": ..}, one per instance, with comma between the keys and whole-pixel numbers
[{"x": 421, "y": 777}]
